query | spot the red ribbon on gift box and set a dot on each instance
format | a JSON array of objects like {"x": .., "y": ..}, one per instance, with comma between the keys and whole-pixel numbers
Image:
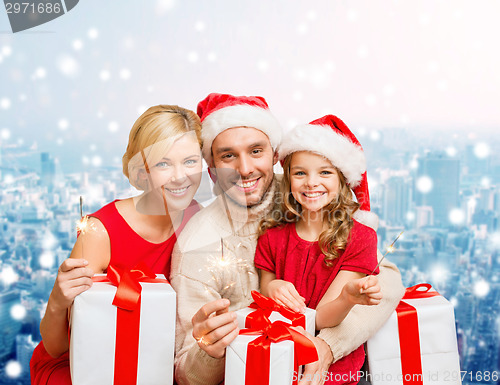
[
  {"x": 265, "y": 306},
  {"x": 259, "y": 350},
  {"x": 409, "y": 341},
  {"x": 128, "y": 302}
]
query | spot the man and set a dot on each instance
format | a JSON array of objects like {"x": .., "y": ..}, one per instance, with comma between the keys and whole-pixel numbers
[{"x": 212, "y": 263}]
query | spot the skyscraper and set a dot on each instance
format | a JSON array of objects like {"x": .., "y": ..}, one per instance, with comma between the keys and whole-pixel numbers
[
  {"x": 48, "y": 170},
  {"x": 8, "y": 325},
  {"x": 443, "y": 192}
]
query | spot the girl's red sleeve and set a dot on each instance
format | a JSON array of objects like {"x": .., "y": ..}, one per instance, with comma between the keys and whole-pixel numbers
[{"x": 361, "y": 251}]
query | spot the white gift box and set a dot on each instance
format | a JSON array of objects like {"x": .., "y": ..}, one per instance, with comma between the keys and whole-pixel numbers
[
  {"x": 281, "y": 353},
  {"x": 281, "y": 362},
  {"x": 93, "y": 335},
  {"x": 438, "y": 346}
]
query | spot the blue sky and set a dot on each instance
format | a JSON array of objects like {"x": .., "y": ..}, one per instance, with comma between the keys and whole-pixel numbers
[{"x": 74, "y": 86}]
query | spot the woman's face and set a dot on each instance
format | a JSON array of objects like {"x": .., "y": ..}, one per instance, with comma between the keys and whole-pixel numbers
[{"x": 177, "y": 175}]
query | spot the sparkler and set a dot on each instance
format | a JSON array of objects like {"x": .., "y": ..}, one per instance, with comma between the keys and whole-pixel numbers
[
  {"x": 224, "y": 266},
  {"x": 390, "y": 249},
  {"x": 82, "y": 225}
]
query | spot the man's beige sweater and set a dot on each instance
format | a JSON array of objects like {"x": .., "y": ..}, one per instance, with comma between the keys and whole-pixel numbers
[{"x": 198, "y": 277}]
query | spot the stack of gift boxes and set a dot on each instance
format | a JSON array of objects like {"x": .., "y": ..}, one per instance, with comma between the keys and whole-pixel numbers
[
  {"x": 269, "y": 350},
  {"x": 115, "y": 332}
]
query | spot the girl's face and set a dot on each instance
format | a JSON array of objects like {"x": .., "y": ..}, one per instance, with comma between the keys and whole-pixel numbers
[
  {"x": 177, "y": 175},
  {"x": 314, "y": 182}
]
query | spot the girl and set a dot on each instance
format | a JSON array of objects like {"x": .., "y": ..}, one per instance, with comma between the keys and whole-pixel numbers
[
  {"x": 315, "y": 250},
  {"x": 163, "y": 159}
]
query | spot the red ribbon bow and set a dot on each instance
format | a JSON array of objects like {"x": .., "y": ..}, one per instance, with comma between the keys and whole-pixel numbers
[
  {"x": 259, "y": 350},
  {"x": 265, "y": 306},
  {"x": 128, "y": 302},
  {"x": 409, "y": 341}
]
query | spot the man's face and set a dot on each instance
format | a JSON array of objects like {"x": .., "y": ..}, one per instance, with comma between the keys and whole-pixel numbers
[{"x": 244, "y": 161}]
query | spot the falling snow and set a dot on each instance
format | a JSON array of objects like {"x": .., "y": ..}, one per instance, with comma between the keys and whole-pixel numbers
[
  {"x": 424, "y": 184},
  {"x": 457, "y": 217},
  {"x": 482, "y": 150},
  {"x": 68, "y": 65},
  {"x": 47, "y": 259},
  {"x": 5, "y": 103},
  {"x": 18, "y": 312},
  {"x": 13, "y": 369},
  {"x": 5, "y": 134},
  {"x": 8, "y": 275},
  {"x": 93, "y": 33}
]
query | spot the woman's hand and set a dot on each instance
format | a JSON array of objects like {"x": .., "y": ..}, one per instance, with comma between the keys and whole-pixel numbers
[
  {"x": 363, "y": 291},
  {"x": 73, "y": 278},
  {"x": 284, "y": 293}
]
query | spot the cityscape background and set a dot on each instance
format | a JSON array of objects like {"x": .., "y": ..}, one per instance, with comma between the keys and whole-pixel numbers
[{"x": 417, "y": 83}]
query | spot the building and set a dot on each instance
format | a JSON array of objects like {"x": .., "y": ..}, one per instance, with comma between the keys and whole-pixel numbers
[{"x": 443, "y": 195}]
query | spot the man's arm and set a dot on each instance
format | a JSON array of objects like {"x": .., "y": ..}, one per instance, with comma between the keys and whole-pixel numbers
[
  {"x": 199, "y": 304},
  {"x": 363, "y": 322}
]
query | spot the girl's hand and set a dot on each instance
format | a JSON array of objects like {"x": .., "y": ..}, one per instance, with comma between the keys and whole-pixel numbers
[
  {"x": 73, "y": 278},
  {"x": 284, "y": 293},
  {"x": 363, "y": 291}
]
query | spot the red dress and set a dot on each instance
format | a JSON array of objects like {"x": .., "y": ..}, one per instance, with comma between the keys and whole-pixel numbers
[
  {"x": 281, "y": 251},
  {"x": 127, "y": 249}
]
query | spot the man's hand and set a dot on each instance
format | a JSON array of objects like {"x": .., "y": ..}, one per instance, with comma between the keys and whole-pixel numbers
[
  {"x": 214, "y": 327},
  {"x": 314, "y": 372}
]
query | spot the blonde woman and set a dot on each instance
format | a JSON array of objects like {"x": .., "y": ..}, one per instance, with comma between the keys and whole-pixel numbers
[{"x": 163, "y": 159}]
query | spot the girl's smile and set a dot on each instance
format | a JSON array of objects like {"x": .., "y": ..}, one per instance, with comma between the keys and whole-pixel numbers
[{"x": 314, "y": 181}]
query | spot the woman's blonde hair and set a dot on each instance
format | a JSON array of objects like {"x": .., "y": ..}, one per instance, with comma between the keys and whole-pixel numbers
[
  {"x": 152, "y": 136},
  {"x": 338, "y": 214}
]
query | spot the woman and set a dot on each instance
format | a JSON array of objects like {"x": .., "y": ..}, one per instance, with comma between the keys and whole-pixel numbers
[{"x": 163, "y": 159}]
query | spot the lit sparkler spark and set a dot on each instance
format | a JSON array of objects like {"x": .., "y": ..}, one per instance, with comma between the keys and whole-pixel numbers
[
  {"x": 225, "y": 266},
  {"x": 390, "y": 249}
]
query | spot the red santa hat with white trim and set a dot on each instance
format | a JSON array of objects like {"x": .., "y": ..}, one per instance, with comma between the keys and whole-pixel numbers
[
  {"x": 330, "y": 137},
  {"x": 219, "y": 112}
]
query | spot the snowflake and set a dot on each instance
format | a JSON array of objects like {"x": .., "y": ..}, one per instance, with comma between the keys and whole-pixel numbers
[
  {"x": 482, "y": 150},
  {"x": 47, "y": 259},
  {"x": 8, "y": 275},
  {"x": 68, "y": 65},
  {"x": 104, "y": 75},
  {"x": 63, "y": 124},
  {"x": 125, "y": 74},
  {"x": 77, "y": 44},
  {"x": 451, "y": 151},
  {"x": 424, "y": 184},
  {"x": 96, "y": 161},
  {"x": 5, "y": 134},
  {"x": 93, "y": 33},
  {"x": 5, "y": 103},
  {"x": 13, "y": 369},
  {"x": 199, "y": 26},
  {"x": 456, "y": 216},
  {"x": 113, "y": 126},
  {"x": 192, "y": 57},
  {"x": 481, "y": 288},
  {"x": 18, "y": 312}
]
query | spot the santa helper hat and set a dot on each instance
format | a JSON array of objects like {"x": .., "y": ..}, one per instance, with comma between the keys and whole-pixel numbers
[
  {"x": 330, "y": 137},
  {"x": 218, "y": 112}
]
